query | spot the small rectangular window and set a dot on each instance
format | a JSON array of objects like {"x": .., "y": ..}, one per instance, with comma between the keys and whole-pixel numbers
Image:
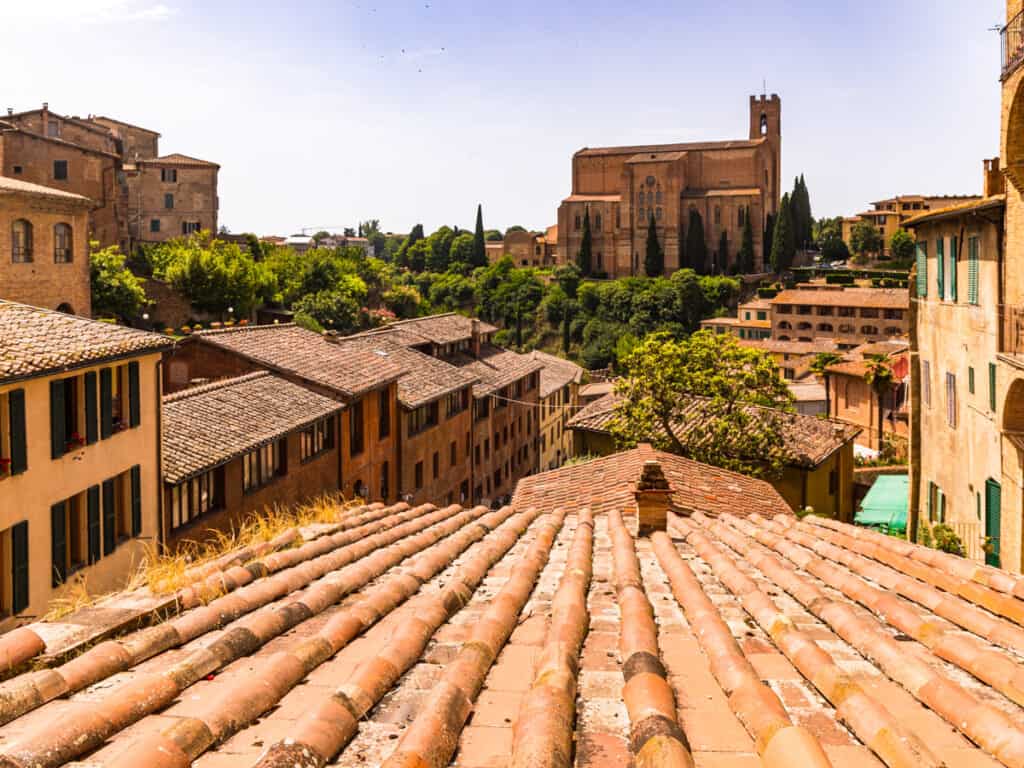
[
  {"x": 951, "y": 411},
  {"x": 168, "y": 200},
  {"x": 437, "y": 465},
  {"x": 970, "y": 380},
  {"x": 992, "y": 387},
  {"x": 355, "y": 429},
  {"x": 922, "y": 269},
  {"x": 973, "y": 256},
  {"x": 419, "y": 475},
  {"x": 926, "y": 382},
  {"x": 384, "y": 414},
  {"x": 385, "y": 480},
  {"x": 169, "y": 174},
  {"x": 60, "y": 170},
  {"x": 154, "y": 225}
]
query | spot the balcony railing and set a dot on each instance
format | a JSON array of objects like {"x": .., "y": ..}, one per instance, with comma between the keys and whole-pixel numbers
[{"x": 1013, "y": 44}]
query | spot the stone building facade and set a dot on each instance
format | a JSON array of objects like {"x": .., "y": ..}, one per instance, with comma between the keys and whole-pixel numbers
[
  {"x": 726, "y": 182},
  {"x": 848, "y": 316},
  {"x": 891, "y": 214},
  {"x": 44, "y": 256},
  {"x": 171, "y": 196}
]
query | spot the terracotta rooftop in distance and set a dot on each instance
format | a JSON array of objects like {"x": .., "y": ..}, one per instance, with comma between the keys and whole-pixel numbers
[
  {"x": 497, "y": 368},
  {"x": 556, "y": 373},
  {"x": 882, "y": 298},
  {"x": 349, "y": 369},
  {"x": 547, "y": 635},
  {"x": 10, "y": 186},
  {"x": 809, "y": 439},
  {"x": 179, "y": 159},
  {"x": 662, "y": 148},
  {"x": 207, "y": 426},
  {"x": 36, "y": 342},
  {"x": 791, "y": 347},
  {"x": 443, "y": 329}
]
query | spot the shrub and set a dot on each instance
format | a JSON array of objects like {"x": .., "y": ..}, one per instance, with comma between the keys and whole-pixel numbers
[{"x": 946, "y": 540}]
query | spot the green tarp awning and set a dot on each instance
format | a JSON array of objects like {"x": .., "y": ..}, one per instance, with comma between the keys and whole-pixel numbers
[{"x": 885, "y": 505}]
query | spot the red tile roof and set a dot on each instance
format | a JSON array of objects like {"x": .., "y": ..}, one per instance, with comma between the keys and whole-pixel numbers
[
  {"x": 443, "y": 329},
  {"x": 556, "y": 373},
  {"x": 881, "y": 298},
  {"x": 207, "y": 426},
  {"x": 497, "y": 368},
  {"x": 349, "y": 369},
  {"x": 38, "y": 342},
  {"x": 9, "y": 186}
]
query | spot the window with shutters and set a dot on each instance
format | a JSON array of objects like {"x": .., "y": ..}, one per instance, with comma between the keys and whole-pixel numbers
[
  {"x": 926, "y": 382},
  {"x": 952, "y": 274},
  {"x": 356, "y": 429},
  {"x": 63, "y": 244},
  {"x": 970, "y": 380},
  {"x": 423, "y": 418},
  {"x": 68, "y": 538},
  {"x": 15, "y": 573},
  {"x": 921, "y": 259},
  {"x": 384, "y": 414},
  {"x": 316, "y": 439},
  {"x": 67, "y": 415},
  {"x": 418, "y": 478},
  {"x": 436, "y": 465},
  {"x": 940, "y": 268},
  {"x": 456, "y": 403},
  {"x": 13, "y": 438},
  {"x": 263, "y": 465},
  {"x": 21, "y": 241},
  {"x": 951, "y": 411},
  {"x": 973, "y": 256},
  {"x": 454, "y": 451},
  {"x": 385, "y": 480},
  {"x": 196, "y": 497},
  {"x": 168, "y": 200},
  {"x": 992, "y": 387}
]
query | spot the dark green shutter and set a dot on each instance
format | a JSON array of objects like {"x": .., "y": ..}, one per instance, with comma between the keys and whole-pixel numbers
[
  {"x": 106, "y": 404},
  {"x": 993, "y": 521},
  {"x": 940, "y": 267},
  {"x": 58, "y": 439},
  {"x": 970, "y": 380},
  {"x": 109, "y": 518},
  {"x": 991, "y": 386},
  {"x": 58, "y": 543},
  {"x": 93, "y": 522},
  {"x": 91, "y": 431},
  {"x": 931, "y": 502},
  {"x": 136, "y": 475},
  {"x": 972, "y": 271},
  {"x": 19, "y": 442},
  {"x": 922, "y": 269},
  {"x": 952, "y": 268},
  {"x": 134, "y": 410},
  {"x": 19, "y": 567}
]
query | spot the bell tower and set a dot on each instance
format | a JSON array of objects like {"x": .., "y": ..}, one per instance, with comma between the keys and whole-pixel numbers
[{"x": 766, "y": 117}]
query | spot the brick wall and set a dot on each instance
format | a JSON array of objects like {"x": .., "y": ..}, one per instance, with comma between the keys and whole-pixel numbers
[
  {"x": 439, "y": 439},
  {"x": 194, "y": 196}
]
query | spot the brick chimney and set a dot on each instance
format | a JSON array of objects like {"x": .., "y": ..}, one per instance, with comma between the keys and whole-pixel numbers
[
  {"x": 995, "y": 182},
  {"x": 653, "y": 499},
  {"x": 475, "y": 335}
]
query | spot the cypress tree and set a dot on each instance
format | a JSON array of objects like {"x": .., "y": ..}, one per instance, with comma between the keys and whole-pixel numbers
[
  {"x": 745, "y": 258},
  {"x": 583, "y": 258},
  {"x": 723, "y": 253},
  {"x": 479, "y": 248},
  {"x": 769, "y": 236},
  {"x": 696, "y": 248},
  {"x": 783, "y": 238},
  {"x": 805, "y": 206},
  {"x": 654, "y": 259}
]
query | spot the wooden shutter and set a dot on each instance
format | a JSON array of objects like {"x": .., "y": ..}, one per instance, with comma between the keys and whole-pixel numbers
[
  {"x": 19, "y": 567},
  {"x": 991, "y": 386},
  {"x": 993, "y": 521},
  {"x": 136, "y": 476},
  {"x": 922, "y": 269},
  {"x": 91, "y": 431},
  {"x": 106, "y": 404},
  {"x": 134, "y": 406},
  {"x": 57, "y": 437},
  {"x": 92, "y": 506},
  {"x": 970, "y": 380},
  {"x": 940, "y": 267},
  {"x": 58, "y": 543},
  {"x": 109, "y": 517},
  {"x": 972, "y": 270},
  {"x": 19, "y": 442},
  {"x": 931, "y": 502},
  {"x": 952, "y": 267}
]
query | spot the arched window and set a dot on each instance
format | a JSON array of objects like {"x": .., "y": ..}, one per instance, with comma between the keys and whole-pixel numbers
[
  {"x": 62, "y": 244},
  {"x": 21, "y": 241},
  {"x": 657, "y": 197},
  {"x": 66, "y": 309},
  {"x": 785, "y": 326},
  {"x": 650, "y": 198},
  {"x": 825, "y": 327},
  {"x": 846, "y": 328},
  {"x": 640, "y": 216},
  {"x": 740, "y": 213},
  {"x": 804, "y": 326},
  {"x": 764, "y": 124},
  {"x": 869, "y": 330},
  {"x": 658, "y": 214},
  {"x": 640, "y": 198}
]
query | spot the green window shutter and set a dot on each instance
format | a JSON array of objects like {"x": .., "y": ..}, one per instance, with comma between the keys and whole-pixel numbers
[
  {"x": 136, "y": 475},
  {"x": 931, "y": 501},
  {"x": 972, "y": 270},
  {"x": 93, "y": 522},
  {"x": 58, "y": 543},
  {"x": 952, "y": 267},
  {"x": 91, "y": 432},
  {"x": 109, "y": 517},
  {"x": 19, "y": 567},
  {"x": 922, "y": 269},
  {"x": 19, "y": 442},
  {"x": 991, "y": 386},
  {"x": 106, "y": 404},
  {"x": 970, "y": 380},
  {"x": 940, "y": 267},
  {"x": 134, "y": 407},
  {"x": 57, "y": 437},
  {"x": 942, "y": 507}
]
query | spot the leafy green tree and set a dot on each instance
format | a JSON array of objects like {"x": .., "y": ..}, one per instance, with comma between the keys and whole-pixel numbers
[
  {"x": 654, "y": 257},
  {"x": 783, "y": 239},
  {"x": 902, "y": 245},
  {"x": 404, "y": 300},
  {"x": 696, "y": 247},
  {"x": 214, "y": 275},
  {"x": 834, "y": 249},
  {"x": 461, "y": 250},
  {"x": 865, "y": 238},
  {"x": 568, "y": 278},
  {"x": 570, "y": 312},
  {"x": 819, "y": 367},
  {"x": 514, "y": 228},
  {"x": 418, "y": 254},
  {"x": 584, "y": 259},
  {"x": 493, "y": 235},
  {"x": 116, "y": 292},
  {"x": 745, "y": 257},
  {"x": 320, "y": 236},
  {"x": 664, "y": 377},
  {"x": 452, "y": 291},
  {"x": 768, "y": 236},
  {"x": 402, "y": 254},
  {"x": 479, "y": 244},
  {"x": 333, "y": 310},
  {"x": 827, "y": 228},
  {"x": 722, "y": 264},
  {"x": 440, "y": 242},
  {"x": 519, "y": 296},
  {"x": 254, "y": 246},
  {"x": 348, "y": 232}
]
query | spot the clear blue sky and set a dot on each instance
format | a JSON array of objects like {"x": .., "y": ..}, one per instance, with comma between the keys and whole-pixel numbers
[{"x": 324, "y": 113}]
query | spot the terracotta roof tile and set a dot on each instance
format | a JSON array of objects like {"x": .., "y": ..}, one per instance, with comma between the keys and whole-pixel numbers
[
  {"x": 809, "y": 439},
  {"x": 210, "y": 425},
  {"x": 17, "y": 186},
  {"x": 351, "y": 370},
  {"x": 35, "y": 341},
  {"x": 497, "y": 368},
  {"x": 180, "y": 159},
  {"x": 443, "y": 329},
  {"x": 882, "y": 298},
  {"x": 556, "y": 373}
]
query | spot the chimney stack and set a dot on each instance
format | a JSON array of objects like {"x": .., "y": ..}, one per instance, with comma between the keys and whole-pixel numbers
[
  {"x": 10, "y": 110},
  {"x": 475, "y": 334},
  {"x": 653, "y": 499}
]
